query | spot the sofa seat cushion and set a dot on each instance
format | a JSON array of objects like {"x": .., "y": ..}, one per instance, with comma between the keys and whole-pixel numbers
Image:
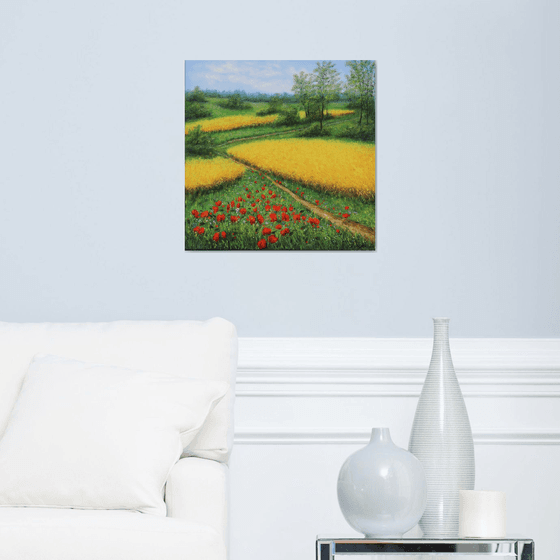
[{"x": 69, "y": 534}]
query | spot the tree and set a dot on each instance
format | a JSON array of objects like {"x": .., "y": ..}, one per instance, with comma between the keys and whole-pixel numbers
[
  {"x": 326, "y": 86},
  {"x": 274, "y": 106},
  {"x": 303, "y": 90},
  {"x": 198, "y": 142},
  {"x": 235, "y": 102},
  {"x": 196, "y": 95},
  {"x": 195, "y": 111},
  {"x": 288, "y": 117},
  {"x": 360, "y": 85},
  {"x": 370, "y": 88}
]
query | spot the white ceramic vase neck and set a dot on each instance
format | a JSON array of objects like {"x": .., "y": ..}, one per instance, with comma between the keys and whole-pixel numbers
[
  {"x": 441, "y": 439},
  {"x": 381, "y": 436}
]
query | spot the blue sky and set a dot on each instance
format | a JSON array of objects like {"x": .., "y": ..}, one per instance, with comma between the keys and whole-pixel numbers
[{"x": 266, "y": 76}]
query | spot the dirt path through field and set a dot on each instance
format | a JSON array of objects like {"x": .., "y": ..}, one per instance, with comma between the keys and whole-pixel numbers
[{"x": 354, "y": 227}]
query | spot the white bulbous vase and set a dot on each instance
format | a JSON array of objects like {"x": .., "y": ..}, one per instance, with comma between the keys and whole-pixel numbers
[{"x": 382, "y": 489}]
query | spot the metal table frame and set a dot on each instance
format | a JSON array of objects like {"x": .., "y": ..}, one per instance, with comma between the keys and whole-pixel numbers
[{"x": 329, "y": 548}]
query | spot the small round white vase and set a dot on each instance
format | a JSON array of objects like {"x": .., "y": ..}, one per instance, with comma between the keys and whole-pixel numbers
[{"x": 382, "y": 489}]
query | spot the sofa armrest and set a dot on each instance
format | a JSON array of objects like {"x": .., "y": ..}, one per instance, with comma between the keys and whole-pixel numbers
[{"x": 197, "y": 491}]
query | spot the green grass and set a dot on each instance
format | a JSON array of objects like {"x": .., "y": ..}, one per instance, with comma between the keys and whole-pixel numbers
[{"x": 241, "y": 235}]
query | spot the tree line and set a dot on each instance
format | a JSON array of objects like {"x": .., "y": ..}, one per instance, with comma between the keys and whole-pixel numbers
[{"x": 255, "y": 97}]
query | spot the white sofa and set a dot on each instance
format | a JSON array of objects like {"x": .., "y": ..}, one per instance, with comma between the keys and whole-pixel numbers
[{"x": 196, "y": 493}]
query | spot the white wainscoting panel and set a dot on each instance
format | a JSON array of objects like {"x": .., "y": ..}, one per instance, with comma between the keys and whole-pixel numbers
[{"x": 304, "y": 404}]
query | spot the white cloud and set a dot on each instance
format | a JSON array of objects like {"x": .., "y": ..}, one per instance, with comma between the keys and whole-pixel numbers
[{"x": 265, "y": 76}]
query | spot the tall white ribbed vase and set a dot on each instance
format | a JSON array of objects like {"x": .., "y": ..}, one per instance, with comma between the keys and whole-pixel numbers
[{"x": 441, "y": 439}]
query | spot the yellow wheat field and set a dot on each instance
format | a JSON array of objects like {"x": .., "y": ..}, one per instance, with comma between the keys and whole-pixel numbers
[
  {"x": 206, "y": 173},
  {"x": 332, "y": 165},
  {"x": 230, "y": 123},
  {"x": 333, "y": 112}
]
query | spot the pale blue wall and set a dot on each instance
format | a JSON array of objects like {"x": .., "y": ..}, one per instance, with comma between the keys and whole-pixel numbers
[{"x": 91, "y": 173}]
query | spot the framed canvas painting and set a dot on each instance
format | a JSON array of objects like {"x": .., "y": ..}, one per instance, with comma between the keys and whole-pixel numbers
[{"x": 280, "y": 155}]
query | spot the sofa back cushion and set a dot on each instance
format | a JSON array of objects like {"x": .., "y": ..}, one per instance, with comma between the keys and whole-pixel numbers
[{"x": 193, "y": 349}]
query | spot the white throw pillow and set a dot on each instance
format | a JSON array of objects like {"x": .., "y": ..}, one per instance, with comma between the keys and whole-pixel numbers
[{"x": 93, "y": 436}]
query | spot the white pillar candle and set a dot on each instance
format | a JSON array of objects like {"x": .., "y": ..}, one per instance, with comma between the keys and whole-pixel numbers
[{"x": 482, "y": 514}]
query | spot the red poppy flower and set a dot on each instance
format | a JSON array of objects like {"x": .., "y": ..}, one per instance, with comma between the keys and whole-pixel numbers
[
  {"x": 347, "y": 208},
  {"x": 263, "y": 188},
  {"x": 267, "y": 208},
  {"x": 272, "y": 238},
  {"x": 262, "y": 196},
  {"x": 260, "y": 219},
  {"x": 240, "y": 199},
  {"x": 249, "y": 195},
  {"x": 273, "y": 217},
  {"x": 215, "y": 209},
  {"x": 278, "y": 226},
  {"x": 196, "y": 229},
  {"x": 204, "y": 214},
  {"x": 345, "y": 215},
  {"x": 238, "y": 205},
  {"x": 224, "y": 234},
  {"x": 195, "y": 213},
  {"x": 273, "y": 196},
  {"x": 266, "y": 231},
  {"x": 269, "y": 192},
  {"x": 261, "y": 244},
  {"x": 251, "y": 220},
  {"x": 233, "y": 219},
  {"x": 285, "y": 231},
  {"x": 218, "y": 203},
  {"x": 216, "y": 236},
  {"x": 337, "y": 231},
  {"x": 255, "y": 182},
  {"x": 243, "y": 210},
  {"x": 221, "y": 217},
  {"x": 200, "y": 231}
]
